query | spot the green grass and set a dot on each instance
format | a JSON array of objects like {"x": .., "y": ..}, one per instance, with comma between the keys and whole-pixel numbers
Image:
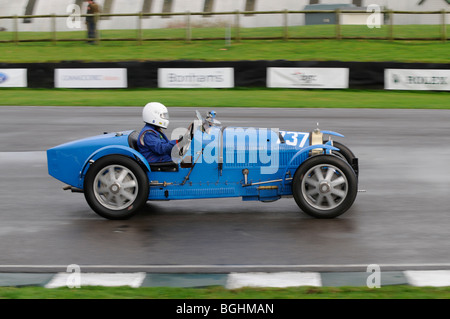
[
  {"x": 228, "y": 98},
  {"x": 298, "y": 50},
  {"x": 216, "y": 50},
  {"x": 219, "y": 30},
  {"x": 385, "y": 292}
]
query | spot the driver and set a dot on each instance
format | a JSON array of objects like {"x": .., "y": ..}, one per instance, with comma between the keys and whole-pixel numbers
[{"x": 152, "y": 142}]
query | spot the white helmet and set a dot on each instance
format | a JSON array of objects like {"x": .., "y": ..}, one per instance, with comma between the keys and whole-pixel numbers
[{"x": 156, "y": 114}]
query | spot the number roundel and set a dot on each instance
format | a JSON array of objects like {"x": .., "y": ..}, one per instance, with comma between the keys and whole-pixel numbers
[{"x": 294, "y": 138}]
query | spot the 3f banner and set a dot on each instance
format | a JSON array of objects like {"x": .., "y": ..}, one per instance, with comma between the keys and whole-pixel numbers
[{"x": 308, "y": 78}]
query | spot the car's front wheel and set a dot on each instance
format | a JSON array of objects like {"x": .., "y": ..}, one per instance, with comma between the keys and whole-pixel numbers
[
  {"x": 344, "y": 152},
  {"x": 116, "y": 187},
  {"x": 325, "y": 186}
]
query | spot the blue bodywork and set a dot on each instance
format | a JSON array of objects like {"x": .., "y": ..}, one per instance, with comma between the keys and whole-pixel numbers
[{"x": 255, "y": 164}]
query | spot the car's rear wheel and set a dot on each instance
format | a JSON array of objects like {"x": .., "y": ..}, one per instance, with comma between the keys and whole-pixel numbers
[
  {"x": 116, "y": 187},
  {"x": 325, "y": 186}
]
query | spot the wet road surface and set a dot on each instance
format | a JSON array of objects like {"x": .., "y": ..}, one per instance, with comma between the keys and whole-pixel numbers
[{"x": 400, "y": 219}]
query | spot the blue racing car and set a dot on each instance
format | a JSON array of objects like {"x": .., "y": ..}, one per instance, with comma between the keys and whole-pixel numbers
[{"x": 213, "y": 161}]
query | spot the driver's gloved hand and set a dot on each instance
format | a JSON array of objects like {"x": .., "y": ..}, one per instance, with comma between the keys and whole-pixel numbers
[{"x": 180, "y": 139}]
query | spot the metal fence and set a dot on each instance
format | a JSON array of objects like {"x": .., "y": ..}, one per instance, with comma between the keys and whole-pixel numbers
[{"x": 233, "y": 32}]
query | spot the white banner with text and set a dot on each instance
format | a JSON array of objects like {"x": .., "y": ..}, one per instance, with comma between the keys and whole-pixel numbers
[
  {"x": 196, "y": 78},
  {"x": 308, "y": 78},
  {"x": 417, "y": 79},
  {"x": 13, "y": 78},
  {"x": 91, "y": 78}
]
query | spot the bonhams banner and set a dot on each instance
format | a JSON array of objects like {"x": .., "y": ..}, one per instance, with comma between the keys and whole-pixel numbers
[
  {"x": 417, "y": 79},
  {"x": 91, "y": 78},
  {"x": 13, "y": 78},
  {"x": 308, "y": 78},
  {"x": 196, "y": 78}
]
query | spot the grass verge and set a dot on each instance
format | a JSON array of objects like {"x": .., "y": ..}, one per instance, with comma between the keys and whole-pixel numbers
[
  {"x": 296, "y": 50},
  {"x": 385, "y": 292},
  {"x": 286, "y": 98},
  {"x": 218, "y": 50}
]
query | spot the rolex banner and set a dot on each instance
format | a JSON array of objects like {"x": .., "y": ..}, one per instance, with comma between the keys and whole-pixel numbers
[
  {"x": 308, "y": 78},
  {"x": 417, "y": 79}
]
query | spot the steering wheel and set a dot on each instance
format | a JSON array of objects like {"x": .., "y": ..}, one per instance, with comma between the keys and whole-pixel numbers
[{"x": 187, "y": 138}]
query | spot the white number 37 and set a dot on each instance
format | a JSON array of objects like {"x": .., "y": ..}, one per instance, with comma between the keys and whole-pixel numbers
[{"x": 294, "y": 138}]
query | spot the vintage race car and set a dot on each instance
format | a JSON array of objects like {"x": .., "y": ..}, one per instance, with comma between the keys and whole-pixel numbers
[{"x": 212, "y": 161}]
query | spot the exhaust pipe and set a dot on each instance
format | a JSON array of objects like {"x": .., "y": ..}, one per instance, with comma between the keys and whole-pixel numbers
[{"x": 73, "y": 189}]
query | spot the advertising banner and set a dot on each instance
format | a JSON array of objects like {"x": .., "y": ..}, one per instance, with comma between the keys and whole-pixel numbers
[
  {"x": 417, "y": 79},
  {"x": 91, "y": 78},
  {"x": 196, "y": 78},
  {"x": 308, "y": 78},
  {"x": 13, "y": 78}
]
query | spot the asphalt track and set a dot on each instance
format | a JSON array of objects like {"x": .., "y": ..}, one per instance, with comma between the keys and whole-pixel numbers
[{"x": 400, "y": 221}]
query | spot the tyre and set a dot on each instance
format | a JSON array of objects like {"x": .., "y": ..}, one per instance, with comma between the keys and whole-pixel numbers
[
  {"x": 325, "y": 186},
  {"x": 116, "y": 187},
  {"x": 344, "y": 152}
]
